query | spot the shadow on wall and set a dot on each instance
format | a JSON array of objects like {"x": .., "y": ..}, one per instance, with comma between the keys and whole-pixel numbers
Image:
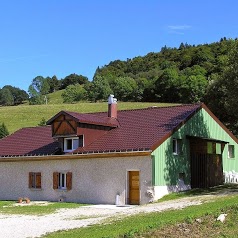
[{"x": 177, "y": 165}]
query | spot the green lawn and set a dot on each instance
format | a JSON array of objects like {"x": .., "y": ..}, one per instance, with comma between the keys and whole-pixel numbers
[
  {"x": 16, "y": 117},
  {"x": 12, "y": 207},
  {"x": 173, "y": 223}
]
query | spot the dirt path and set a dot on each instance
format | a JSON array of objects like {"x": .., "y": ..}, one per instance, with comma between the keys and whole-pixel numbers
[{"x": 24, "y": 226}]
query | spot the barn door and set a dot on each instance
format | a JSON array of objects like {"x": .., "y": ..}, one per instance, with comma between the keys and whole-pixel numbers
[
  {"x": 206, "y": 170},
  {"x": 134, "y": 187},
  {"x": 206, "y": 162}
]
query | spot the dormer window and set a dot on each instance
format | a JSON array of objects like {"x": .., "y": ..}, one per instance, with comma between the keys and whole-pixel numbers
[{"x": 72, "y": 143}]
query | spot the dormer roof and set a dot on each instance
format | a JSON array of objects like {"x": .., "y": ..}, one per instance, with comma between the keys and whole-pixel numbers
[{"x": 100, "y": 119}]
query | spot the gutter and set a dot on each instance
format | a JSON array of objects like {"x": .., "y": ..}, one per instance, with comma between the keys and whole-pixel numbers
[{"x": 75, "y": 156}]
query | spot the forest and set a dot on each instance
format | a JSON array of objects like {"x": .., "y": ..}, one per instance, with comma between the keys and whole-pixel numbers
[{"x": 187, "y": 74}]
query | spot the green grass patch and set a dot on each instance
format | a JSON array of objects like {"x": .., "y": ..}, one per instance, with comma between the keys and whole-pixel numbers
[
  {"x": 196, "y": 192},
  {"x": 16, "y": 117},
  {"x": 55, "y": 97},
  {"x": 10, "y": 207},
  {"x": 136, "y": 225}
]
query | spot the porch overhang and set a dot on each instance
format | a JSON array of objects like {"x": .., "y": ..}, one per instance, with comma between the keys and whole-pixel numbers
[{"x": 207, "y": 139}]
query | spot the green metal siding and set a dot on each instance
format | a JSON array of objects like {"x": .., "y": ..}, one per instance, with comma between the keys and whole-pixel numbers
[{"x": 168, "y": 166}]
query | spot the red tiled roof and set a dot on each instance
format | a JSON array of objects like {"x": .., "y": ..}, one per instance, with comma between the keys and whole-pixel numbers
[
  {"x": 29, "y": 141},
  {"x": 89, "y": 118},
  {"x": 140, "y": 129}
]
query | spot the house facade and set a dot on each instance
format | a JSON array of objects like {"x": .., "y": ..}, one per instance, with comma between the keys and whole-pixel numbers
[{"x": 118, "y": 157}]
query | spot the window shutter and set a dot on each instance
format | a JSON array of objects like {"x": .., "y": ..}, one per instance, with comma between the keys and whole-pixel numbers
[
  {"x": 55, "y": 180},
  {"x": 69, "y": 181},
  {"x": 30, "y": 179},
  {"x": 38, "y": 180}
]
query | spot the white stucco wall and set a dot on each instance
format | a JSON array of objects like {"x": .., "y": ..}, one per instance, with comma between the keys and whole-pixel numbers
[
  {"x": 160, "y": 191},
  {"x": 96, "y": 180}
]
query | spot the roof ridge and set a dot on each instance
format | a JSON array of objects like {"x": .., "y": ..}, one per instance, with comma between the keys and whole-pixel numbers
[{"x": 145, "y": 108}]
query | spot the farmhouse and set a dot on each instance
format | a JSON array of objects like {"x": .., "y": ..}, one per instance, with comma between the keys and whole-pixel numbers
[{"x": 122, "y": 157}]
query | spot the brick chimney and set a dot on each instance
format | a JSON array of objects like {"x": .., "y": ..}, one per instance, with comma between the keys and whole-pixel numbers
[{"x": 112, "y": 106}]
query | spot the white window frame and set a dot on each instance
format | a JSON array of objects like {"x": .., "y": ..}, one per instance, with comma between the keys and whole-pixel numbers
[
  {"x": 176, "y": 146},
  {"x": 62, "y": 180},
  {"x": 72, "y": 141}
]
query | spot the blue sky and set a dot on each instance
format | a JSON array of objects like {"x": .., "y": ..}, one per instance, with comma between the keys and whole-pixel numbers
[{"x": 59, "y": 37}]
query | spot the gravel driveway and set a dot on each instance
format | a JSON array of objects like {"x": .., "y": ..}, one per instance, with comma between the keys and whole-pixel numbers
[{"x": 24, "y": 226}]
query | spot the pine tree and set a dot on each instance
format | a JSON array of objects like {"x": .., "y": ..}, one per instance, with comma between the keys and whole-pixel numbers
[{"x": 3, "y": 131}]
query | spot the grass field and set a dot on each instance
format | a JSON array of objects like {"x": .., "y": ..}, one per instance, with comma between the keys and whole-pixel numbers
[
  {"x": 16, "y": 117},
  {"x": 193, "y": 221},
  {"x": 55, "y": 97}
]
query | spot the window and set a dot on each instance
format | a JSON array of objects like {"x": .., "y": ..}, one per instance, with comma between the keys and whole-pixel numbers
[
  {"x": 73, "y": 143},
  {"x": 231, "y": 151},
  {"x": 62, "y": 180},
  {"x": 214, "y": 148},
  {"x": 218, "y": 148},
  {"x": 34, "y": 180},
  {"x": 177, "y": 146},
  {"x": 209, "y": 148}
]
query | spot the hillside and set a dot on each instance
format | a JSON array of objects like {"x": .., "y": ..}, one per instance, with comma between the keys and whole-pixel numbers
[
  {"x": 188, "y": 74},
  {"x": 16, "y": 117},
  {"x": 56, "y": 97}
]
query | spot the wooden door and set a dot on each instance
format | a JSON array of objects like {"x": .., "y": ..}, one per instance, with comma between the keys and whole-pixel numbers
[{"x": 134, "y": 187}]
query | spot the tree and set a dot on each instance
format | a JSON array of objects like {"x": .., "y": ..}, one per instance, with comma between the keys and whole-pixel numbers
[
  {"x": 54, "y": 83},
  {"x": 192, "y": 88},
  {"x": 230, "y": 80},
  {"x": 73, "y": 79},
  {"x": 99, "y": 89},
  {"x": 222, "y": 93},
  {"x": 74, "y": 93},
  {"x": 18, "y": 94},
  {"x": 42, "y": 122},
  {"x": 167, "y": 85},
  {"x": 35, "y": 97},
  {"x": 125, "y": 88},
  {"x": 38, "y": 90},
  {"x": 3, "y": 131},
  {"x": 41, "y": 85},
  {"x": 193, "y": 84},
  {"x": 6, "y": 97}
]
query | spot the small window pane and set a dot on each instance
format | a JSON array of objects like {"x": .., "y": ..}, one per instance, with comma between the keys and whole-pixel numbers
[
  {"x": 69, "y": 144},
  {"x": 62, "y": 180},
  {"x": 218, "y": 148},
  {"x": 175, "y": 146},
  {"x": 81, "y": 142},
  {"x": 209, "y": 147},
  {"x": 231, "y": 151},
  {"x": 33, "y": 180},
  {"x": 75, "y": 143}
]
